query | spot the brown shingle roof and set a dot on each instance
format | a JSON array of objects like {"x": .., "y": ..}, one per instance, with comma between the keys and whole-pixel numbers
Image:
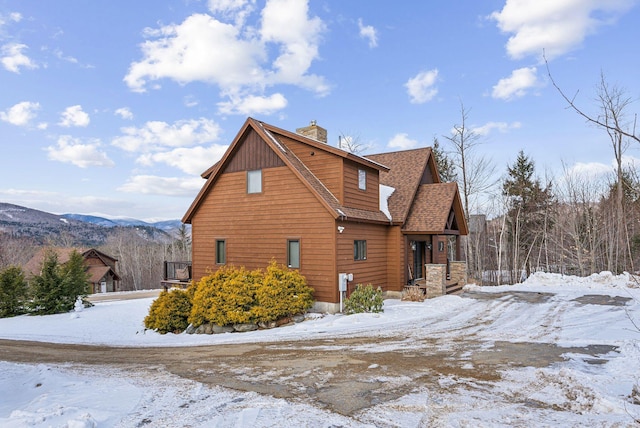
[
  {"x": 34, "y": 265},
  {"x": 404, "y": 175},
  {"x": 96, "y": 273},
  {"x": 430, "y": 211}
]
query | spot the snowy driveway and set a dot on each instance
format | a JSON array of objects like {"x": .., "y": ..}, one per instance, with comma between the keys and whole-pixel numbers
[{"x": 536, "y": 354}]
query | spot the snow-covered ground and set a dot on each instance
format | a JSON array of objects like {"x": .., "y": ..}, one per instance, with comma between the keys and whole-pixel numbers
[{"x": 602, "y": 309}]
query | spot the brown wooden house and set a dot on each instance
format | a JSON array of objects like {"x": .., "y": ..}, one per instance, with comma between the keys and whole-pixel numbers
[
  {"x": 100, "y": 267},
  {"x": 292, "y": 197}
]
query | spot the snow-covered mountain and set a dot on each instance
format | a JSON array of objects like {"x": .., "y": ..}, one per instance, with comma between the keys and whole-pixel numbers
[
  {"x": 82, "y": 229},
  {"x": 167, "y": 225}
]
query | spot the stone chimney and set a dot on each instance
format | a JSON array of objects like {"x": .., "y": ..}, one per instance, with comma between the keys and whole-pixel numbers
[{"x": 314, "y": 131}]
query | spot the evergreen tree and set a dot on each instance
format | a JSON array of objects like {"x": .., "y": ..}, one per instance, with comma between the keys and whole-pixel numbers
[
  {"x": 46, "y": 288},
  {"x": 528, "y": 213},
  {"x": 75, "y": 281},
  {"x": 13, "y": 291},
  {"x": 445, "y": 165}
]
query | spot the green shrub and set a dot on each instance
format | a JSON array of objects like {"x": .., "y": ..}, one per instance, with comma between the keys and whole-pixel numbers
[
  {"x": 364, "y": 299},
  {"x": 13, "y": 292},
  {"x": 169, "y": 312},
  {"x": 282, "y": 292}
]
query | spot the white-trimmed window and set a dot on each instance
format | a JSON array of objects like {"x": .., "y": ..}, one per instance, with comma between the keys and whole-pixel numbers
[
  {"x": 254, "y": 181},
  {"x": 362, "y": 179}
]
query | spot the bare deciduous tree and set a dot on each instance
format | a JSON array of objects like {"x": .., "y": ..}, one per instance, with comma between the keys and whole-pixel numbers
[{"x": 476, "y": 174}]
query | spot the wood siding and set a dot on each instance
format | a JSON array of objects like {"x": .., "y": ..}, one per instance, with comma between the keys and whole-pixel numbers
[
  {"x": 252, "y": 153},
  {"x": 354, "y": 197},
  {"x": 439, "y": 257},
  {"x": 395, "y": 259},
  {"x": 427, "y": 176},
  {"x": 373, "y": 270},
  {"x": 256, "y": 228},
  {"x": 325, "y": 166}
]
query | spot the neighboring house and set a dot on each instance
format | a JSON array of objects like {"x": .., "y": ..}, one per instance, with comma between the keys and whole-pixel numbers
[
  {"x": 292, "y": 197},
  {"x": 100, "y": 267}
]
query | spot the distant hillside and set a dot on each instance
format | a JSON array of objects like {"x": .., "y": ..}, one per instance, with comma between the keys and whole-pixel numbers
[
  {"x": 76, "y": 229},
  {"x": 167, "y": 225}
]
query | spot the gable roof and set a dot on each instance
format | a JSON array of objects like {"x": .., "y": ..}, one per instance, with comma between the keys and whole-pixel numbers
[
  {"x": 34, "y": 265},
  {"x": 271, "y": 135},
  {"x": 405, "y": 172},
  {"x": 97, "y": 273},
  {"x": 432, "y": 209},
  {"x": 420, "y": 207}
]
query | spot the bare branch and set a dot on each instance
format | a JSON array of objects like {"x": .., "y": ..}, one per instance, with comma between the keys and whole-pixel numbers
[{"x": 597, "y": 121}]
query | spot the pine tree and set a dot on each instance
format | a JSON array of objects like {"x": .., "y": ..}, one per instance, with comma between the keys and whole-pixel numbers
[
  {"x": 13, "y": 291},
  {"x": 75, "y": 281},
  {"x": 445, "y": 165},
  {"x": 46, "y": 288},
  {"x": 529, "y": 213}
]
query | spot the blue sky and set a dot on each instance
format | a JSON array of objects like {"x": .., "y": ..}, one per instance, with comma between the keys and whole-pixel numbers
[{"x": 115, "y": 108}]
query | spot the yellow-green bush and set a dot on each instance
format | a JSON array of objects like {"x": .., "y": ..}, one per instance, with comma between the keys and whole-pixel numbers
[
  {"x": 225, "y": 297},
  {"x": 282, "y": 292},
  {"x": 235, "y": 296},
  {"x": 169, "y": 312}
]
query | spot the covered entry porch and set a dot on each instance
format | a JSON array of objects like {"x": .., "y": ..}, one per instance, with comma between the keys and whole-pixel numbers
[{"x": 434, "y": 263}]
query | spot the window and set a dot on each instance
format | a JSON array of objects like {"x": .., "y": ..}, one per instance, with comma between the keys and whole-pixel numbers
[
  {"x": 359, "y": 250},
  {"x": 362, "y": 179},
  {"x": 293, "y": 253},
  {"x": 221, "y": 251},
  {"x": 254, "y": 181}
]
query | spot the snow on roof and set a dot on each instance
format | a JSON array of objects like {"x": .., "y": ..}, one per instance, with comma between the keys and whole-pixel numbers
[{"x": 385, "y": 194}]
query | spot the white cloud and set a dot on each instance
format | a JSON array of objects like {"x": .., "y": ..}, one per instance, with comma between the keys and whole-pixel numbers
[
  {"x": 20, "y": 114},
  {"x": 368, "y": 32},
  {"x": 201, "y": 48},
  {"x": 235, "y": 56},
  {"x": 516, "y": 85},
  {"x": 124, "y": 112},
  {"x": 502, "y": 127},
  {"x": 167, "y": 186},
  {"x": 287, "y": 24},
  {"x": 13, "y": 58},
  {"x": 421, "y": 87},
  {"x": 71, "y": 150},
  {"x": 402, "y": 141},
  {"x": 13, "y": 16},
  {"x": 190, "y": 101},
  {"x": 236, "y": 11},
  {"x": 557, "y": 26},
  {"x": 74, "y": 116},
  {"x": 590, "y": 169},
  {"x": 157, "y": 136},
  {"x": 192, "y": 161},
  {"x": 253, "y": 104}
]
